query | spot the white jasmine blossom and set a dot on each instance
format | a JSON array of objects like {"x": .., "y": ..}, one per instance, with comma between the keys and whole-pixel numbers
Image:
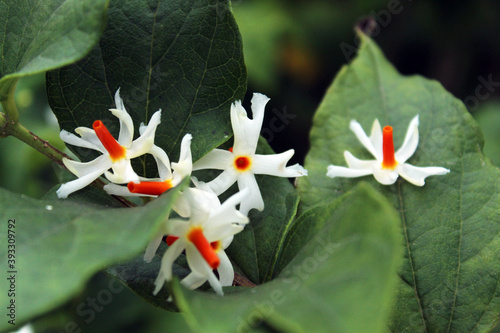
[
  {"x": 204, "y": 236},
  {"x": 240, "y": 164},
  {"x": 116, "y": 154},
  {"x": 169, "y": 176},
  {"x": 388, "y": 165}
]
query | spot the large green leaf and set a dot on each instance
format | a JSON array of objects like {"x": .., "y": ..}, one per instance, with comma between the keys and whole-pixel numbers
[
  {"x": 41, "y": 35},
  {"x": 140, "y": 276},
  {"x": 343, "y": 279},
  {"x": 106, "y": 305},
  {"x": 60, "y": 244},
  {"x": 451, "y": 226},
  {"x": 184, "y": 57}
]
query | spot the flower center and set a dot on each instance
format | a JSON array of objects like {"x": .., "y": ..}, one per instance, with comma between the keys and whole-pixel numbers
[
  {"x": 150, "y": 188},
  {"x": 242, "y": 163},
  {"x": 171, "y": 240},
  {"x": 389, "y": 161},
  {"x": 195, "y": 236},
  {"x": 217, "y": 245},
  {"x": 115, "y": 150}
]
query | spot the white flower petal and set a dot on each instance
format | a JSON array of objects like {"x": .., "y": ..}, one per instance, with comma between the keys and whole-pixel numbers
[
  {"x": 417, "y": 175},
  {"x": 144, "y": 143},
  {"x": 89, "y": 135},
  {"x": 227, "y": 212},
  {"x": 72, "y": 139},
  {"x": 223, "y": 181},
  {"x": 140, "y": 146},
  {"x": 167, "y": 261},
  {"x": 225, "y": 270},
  {"x": 142, "y": 128},
  {"x": 215, "y": 284},
  {"x": 118, "y": 100},
  {"x": 162, "y": 162},
  {"x": 384, "y": 176},
  {"x": 122, "y": 172},
  {"x": 216, "y": 159},
  {"x": 410, "y": 143},
  {"x": 195, "y": 260},
  {"x": 355, "y": 163},
  {"x": 246, "y": 131},
  {"x": 219, "y": 231},
  {"x": 338, "y": 171},
  {"x": 254, "y": 198},
  {"x": 88, "y": 177},
  {"x": 193, "y": 281},
  {"x": 182, "y": 206},
  {"x": 275, "y": 165},
  {"x": 126, "y": 124},
  {"x": 376, "y": 137},
  {"x": 365, "y": 141},
  {"x": 200, "y": 204},
  {"x": 81, "y": 169},
  {"x": 152, "y": 247},
  {"x": 176, "y": 227},
  {"x": 227, "y": 241},
  {"x": 185, "y": 165},
  {"x": 122, "y": 191},
  {"x": 243, "y": 130}
]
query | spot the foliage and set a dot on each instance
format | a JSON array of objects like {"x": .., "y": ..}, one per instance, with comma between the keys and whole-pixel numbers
[{"x": 343, "y": 255}]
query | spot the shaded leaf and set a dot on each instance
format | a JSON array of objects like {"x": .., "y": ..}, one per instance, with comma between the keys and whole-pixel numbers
[
  {"x": 451, "y": 226},
  {"x": 41, "y": 35},
  {"x": 60, "y": 244},
  {"x": 106, "y": 305},
  {"x": 140, "y": 276},
  {"x": 184, "y": 57}
]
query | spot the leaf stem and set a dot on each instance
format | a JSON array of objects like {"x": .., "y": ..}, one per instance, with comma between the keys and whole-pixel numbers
[{"x": 11, "y": 127}]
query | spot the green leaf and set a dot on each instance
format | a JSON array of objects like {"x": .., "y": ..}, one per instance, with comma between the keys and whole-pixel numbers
[
  {"x": 41, "y": 35},
  {"x": 184, "y": 57},
  {"x": 257, "y": 248},
  {"x": 348, "y": 268},
  {"x": 451, "y": 226},
  {"x": 60, "y": 244},
  {"x": 488, "y": 117},
  {"x": 140, "y": 276},
  {"x": 106, "y": 305}
]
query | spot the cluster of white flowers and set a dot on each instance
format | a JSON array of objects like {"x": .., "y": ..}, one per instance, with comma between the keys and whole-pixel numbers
[{"x": 205, "y": 227}]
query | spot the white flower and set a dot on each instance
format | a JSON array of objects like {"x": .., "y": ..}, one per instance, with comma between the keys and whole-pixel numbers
[
  {"x": 116, "y": 155},
  {"x": 241, "y": 163},
  {"x": 387, "y": 165},
  {"x": 169, "y": 177},
  {"x": 209, "y": 230}
]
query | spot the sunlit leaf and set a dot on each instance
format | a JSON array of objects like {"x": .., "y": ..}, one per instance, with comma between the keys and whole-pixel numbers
[{"x": 451, "y": 226}]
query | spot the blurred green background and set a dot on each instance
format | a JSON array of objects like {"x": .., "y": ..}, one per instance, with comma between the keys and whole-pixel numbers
[{"x": 293, "y": 50}]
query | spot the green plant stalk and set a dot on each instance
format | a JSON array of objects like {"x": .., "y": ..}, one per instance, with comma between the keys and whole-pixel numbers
[
  {"x": 9, "y": 125},
  {"x": 15, "y": 129}
]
